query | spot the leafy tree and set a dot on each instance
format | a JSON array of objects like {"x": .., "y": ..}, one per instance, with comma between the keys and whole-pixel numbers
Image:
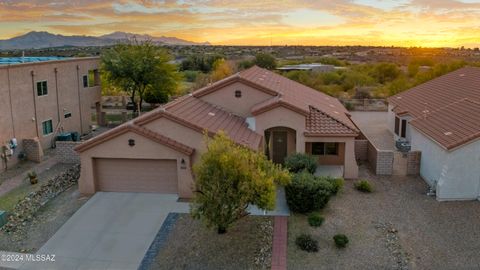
[
  {"x": 138, "y": 68},
  {"x": 200, "y": 62},
  {"x": 265, "y": 60},
  {"x": 229, "y": 178},
  {"x": 245, "y": 64},
  {"x": 222, "y": 69},
  {"x": 385, "y": 72}
]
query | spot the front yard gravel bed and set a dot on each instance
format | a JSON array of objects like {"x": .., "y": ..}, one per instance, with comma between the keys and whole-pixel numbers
[
  {"x": 190, "y": 245},
  {"x": 395, "y": 227}
]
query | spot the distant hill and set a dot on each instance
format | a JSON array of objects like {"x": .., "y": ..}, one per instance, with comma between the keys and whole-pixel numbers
[
  {"x": 163, "y": 40},
  {"x": 37, "y": 40}
]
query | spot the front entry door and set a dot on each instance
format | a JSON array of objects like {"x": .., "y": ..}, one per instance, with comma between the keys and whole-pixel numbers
[{"x": 279, "y": 146}]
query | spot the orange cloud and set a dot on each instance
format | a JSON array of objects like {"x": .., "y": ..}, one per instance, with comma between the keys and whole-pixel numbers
[{"x": 253, "y": 22}]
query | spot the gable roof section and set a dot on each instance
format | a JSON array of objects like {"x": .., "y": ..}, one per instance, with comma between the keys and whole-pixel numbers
[
  {"x": 320, "y": 124},
  {"x": 130, "y": 127},
  {"x": 439, "y": 92},
  {"x": 453, "y": 125},
  {"x": 199, "y": 115},
  {"x": 287, "y": 93},
  {"x": 229, "y": 80}
]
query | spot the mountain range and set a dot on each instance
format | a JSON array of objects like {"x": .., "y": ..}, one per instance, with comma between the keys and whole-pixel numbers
[{"x": 38, "y": 40}]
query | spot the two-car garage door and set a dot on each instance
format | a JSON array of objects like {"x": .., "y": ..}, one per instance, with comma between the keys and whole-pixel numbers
[{"x": 136, "y": 175}]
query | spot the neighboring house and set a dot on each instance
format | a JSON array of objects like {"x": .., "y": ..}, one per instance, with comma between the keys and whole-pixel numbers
[
  {"x": 441, "y": 118},
  {"x": 256, "y": 108},
  {"x": 40, "y": 95}
]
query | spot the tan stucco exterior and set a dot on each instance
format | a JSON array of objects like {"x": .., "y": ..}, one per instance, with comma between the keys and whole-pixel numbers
[
  {"x": 350, "y": 163},
  {"x": 22, "y": 111},
  {"x": 226, "y": 99},
  {"x": 277, "y": 118},
  {"x": 144, "y": 149}
]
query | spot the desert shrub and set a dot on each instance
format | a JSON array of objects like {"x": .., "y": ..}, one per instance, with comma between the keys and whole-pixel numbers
[
  {"x": 349, "y": 106},
  {"x": 298, "y": 162},
  {"x": 307, "y": 193},
  {"x": 306, "y": 243},
  {"x": 337, "y": 184},
  {"x": 341, "y": 240},
  {"x": 364, "y": 186},
  {"x": 315, "y": 219}
]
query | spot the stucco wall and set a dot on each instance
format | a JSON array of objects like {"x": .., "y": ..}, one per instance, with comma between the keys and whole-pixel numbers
[
  {"x": 350, "y": 162},
  {"x": 144, "y": 149},
  {"x": 282, "y": 117},
  {"x": 329, "y": 159},
  {"x": 19, "y": 119},
  {"x": 226, "y": 99},
  {"x": 181, "y": 134},
  {"x": 457, "y": 172}
]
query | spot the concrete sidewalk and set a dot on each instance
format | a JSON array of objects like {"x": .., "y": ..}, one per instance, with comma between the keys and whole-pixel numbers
[{"x": 111, "y": 231}]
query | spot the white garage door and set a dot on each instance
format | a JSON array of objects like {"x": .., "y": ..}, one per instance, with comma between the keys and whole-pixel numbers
[{"x": 136, "y": 175}]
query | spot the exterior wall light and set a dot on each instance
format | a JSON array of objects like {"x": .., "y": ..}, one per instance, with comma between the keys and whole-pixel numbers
[
  {"x": 131, "y": 142},
  {"x": 183, "y": 164}
]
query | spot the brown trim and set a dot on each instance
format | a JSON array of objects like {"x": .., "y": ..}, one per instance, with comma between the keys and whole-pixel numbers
[
  {"x": 276, "y": 104},
  {"x": 79, "y": 99},
  {"x": 157, "y": 115},
  {"x": 35, "y": 103},
  {"x": 230, "y": 80},
  {"x": 140, "y": 131},
  {"x": 154, "y": 116}
]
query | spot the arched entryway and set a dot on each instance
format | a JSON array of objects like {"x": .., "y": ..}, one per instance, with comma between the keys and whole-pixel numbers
[{"x": 279, "y": 143}]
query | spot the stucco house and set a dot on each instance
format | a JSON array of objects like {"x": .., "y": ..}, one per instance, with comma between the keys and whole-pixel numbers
[
  {"x": 257, "y": 108},
  {"x": 441, "y": 118},
  {"x": 41, "y": 96}
]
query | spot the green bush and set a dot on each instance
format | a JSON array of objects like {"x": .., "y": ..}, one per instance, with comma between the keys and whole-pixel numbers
[
  {"x": 307, "y": 243},
  {"x": 364, "y": 186},
  {"x": 299, "y": 162},
  {"x": 337, "y": 184},
  {"x": 349, "y": 106},
  {"x": 341, "y": 240},
  {"x": 307, "y": 193},
  {"x": 315, "y": 219}
]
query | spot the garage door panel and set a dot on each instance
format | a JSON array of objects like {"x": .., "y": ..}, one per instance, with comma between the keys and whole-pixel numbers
[{"x": 136, "y": 175}]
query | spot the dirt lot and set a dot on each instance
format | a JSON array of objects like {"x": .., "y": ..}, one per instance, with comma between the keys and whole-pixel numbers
[
  {"x": 47, "y": 221},
  {"x": 191, "y": 245},
  {"x": 396, "y": 227}
]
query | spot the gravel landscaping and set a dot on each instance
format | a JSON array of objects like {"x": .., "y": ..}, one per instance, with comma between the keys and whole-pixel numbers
[
  {"x": 190, "y": 245},
  {"x": 47, "y": 221},
  {"x": 395, "y": 227},
  {"x": 8, "y": 201}
]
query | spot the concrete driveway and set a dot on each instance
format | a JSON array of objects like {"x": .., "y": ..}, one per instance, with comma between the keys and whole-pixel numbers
[{"x": 111, "y": 231}]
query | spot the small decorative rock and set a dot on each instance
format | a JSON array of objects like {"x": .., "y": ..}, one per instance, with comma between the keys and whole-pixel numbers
[{"x": 25, "y": 210}]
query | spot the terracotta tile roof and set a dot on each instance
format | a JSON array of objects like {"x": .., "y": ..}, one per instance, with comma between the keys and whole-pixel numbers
[
  {"x": 130, "y": 127},
  {"x": 441, "y": 100},
  {"x": 200, "y": 115},
  {"x": 287, "y": 93},
  {"x": 453, "y": 125},
  {"x": 298, "y": 95},
  {"x": 321, "y": 124},
  {"x": 439, "y": 92}
]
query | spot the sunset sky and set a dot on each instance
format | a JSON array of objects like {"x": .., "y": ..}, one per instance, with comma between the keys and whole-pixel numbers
[{"x": 427, "y": 23}]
